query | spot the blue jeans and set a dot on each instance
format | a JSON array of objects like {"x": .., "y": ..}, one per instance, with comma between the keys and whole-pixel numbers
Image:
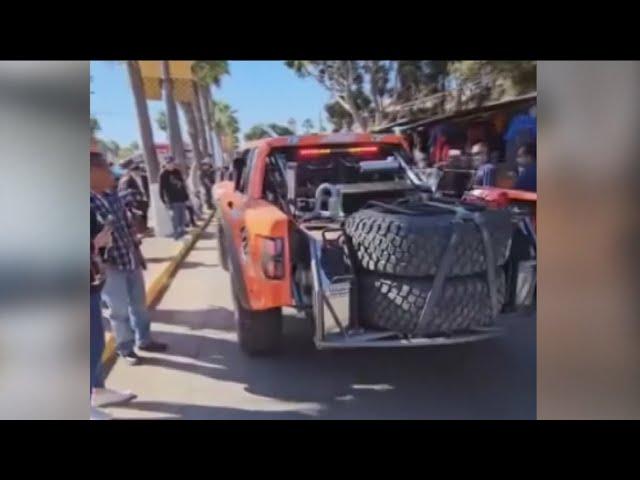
[
  {"x": 96, "y": 343},
  {"x": 125, "y": 295},
  {"x": 178, "y": 218}
]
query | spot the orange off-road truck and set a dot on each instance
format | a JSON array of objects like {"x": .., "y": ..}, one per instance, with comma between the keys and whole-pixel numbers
[{"x": 339, "y": 228}]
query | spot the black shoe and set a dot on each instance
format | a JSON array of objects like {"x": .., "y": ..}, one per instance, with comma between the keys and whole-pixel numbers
[
  {"x": 153, "y": 347},
  {"x": 131, "y": 358}
]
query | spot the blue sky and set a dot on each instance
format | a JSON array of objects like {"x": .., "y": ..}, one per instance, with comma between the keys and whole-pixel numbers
[{"x": 260, "y": 92}]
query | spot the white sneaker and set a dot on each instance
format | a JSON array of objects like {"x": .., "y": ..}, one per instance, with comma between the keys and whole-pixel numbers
[
  {"x": 105, "y": 396},
  {"x": 97, "y": 414}
]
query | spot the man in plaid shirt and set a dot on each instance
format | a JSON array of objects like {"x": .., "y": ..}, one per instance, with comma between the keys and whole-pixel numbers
[{"x": 124, "y": 289}]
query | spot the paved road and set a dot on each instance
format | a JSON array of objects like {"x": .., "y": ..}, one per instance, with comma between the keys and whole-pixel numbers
[{"x": 205, "y": 376}]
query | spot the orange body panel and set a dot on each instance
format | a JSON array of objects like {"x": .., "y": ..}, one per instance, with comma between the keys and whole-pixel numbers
[{"x": 263, "y": 219}]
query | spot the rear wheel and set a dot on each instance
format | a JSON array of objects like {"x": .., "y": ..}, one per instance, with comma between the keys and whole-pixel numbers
[{"x": 259, "y": 331}]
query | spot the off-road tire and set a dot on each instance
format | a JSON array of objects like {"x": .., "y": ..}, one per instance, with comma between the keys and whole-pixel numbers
[
  {"x": 393, "y": 303},
  {"x": 413, "y": 245},
  {"x": 259, "y": 332}
]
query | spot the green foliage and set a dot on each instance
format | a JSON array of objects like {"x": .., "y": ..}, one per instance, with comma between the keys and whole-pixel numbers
[
  {"x": 113, "y": 146},
  {"x": 94, "y": 125},
  {"x": 210, "y": 72},
  {"x": 367, "y": 93},
  {"x": 339, "y": 117},
  {"x": 225, "y": 121},
  {"x": 161, "y": 121},
  {"x": 264, "y": 131},
  {"x": 516, "y": 76},
  {"x": 307, "y": 125}
]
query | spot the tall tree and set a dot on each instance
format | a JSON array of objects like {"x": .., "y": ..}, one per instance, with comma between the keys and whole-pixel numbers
[
  {"x": 265, "y": 131},
  {"x": 518, "y": 76},
  {"x": 343, "y": 78},
  {"x": 188, "y": 109},
  {"x": 173, "y": 120},
  {"x": 339, "y": 117},
  {"x": 113, "y": 146},
  {"x": 226, "y": 122},
  {"x": 161, "y": 121},
  {"x": 307, "y": 125},
  {"x": 209, "y": 73},
  {"x": 321, "y": 127},
  {"x": 200, "y": 120},
  {"x": 368, "y": 90},
  {"x": 144, "y": 122}
]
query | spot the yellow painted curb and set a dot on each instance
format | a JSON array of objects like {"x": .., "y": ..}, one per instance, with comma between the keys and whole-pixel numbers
[{"x": 157, "y": 287}]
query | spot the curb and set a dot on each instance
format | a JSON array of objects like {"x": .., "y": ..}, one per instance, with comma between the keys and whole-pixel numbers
[{"x": 155, "y": 290}]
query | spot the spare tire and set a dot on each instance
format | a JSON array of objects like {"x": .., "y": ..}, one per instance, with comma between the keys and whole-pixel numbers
[
  {"x": 413, "y": 245},
  {"x": 392, "y": 303}
]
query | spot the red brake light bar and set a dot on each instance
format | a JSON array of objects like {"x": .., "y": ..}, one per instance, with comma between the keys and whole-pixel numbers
[{"x": 311, "y": 152}]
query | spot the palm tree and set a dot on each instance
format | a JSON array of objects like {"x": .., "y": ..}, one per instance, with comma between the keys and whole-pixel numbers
[
  {"x": 173, "y": 121},
  {"x": 226, "y": 122},
  {"x": 161, "y": 121},
  {"x": 144, "y": 122},
  {"x": 209, "y": 73},
  {"x": 188, "y": 108},
  {"x": 200, "y": 120}
]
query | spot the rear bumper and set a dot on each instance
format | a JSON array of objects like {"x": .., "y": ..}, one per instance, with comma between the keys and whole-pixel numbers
[{"x": 364, "y": 339}]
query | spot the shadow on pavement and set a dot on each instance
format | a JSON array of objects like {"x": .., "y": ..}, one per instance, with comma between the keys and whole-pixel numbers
[
  {"x": 158, "y": 259},
  {"x": 183, "y": 411},
  {"x": 187, "y": 265},
  {"x": 494, "y": 379},
  {"x": 218, "y": 318}
]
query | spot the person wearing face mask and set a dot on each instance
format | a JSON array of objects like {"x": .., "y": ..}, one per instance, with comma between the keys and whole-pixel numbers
[
  {"x": 485, "y": 175},
  {"x": 526, "y": 159}
]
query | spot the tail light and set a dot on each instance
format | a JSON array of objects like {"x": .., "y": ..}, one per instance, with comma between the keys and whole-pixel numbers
[
  {"x": 315, "y": 152},
  {"x": 272, "y": 252}
]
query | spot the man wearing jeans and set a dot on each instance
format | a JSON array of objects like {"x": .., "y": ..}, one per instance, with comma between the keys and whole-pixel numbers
[
  {"x": 124, "y": 290},
  {"x": 173, "y": 193},
  {"x": 101, "y": 238}
]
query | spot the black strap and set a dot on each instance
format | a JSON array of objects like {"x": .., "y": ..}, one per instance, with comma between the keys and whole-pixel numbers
[
  {"x": 480, "y": 221},
  {"x": 438, "y": 282},
  {"x": 447, "y": 261}
]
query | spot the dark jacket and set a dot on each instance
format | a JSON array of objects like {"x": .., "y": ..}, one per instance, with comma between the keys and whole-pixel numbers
[
  {"x": 172, "y": 187},
  {"x": 96, "y": 280},
  {"x": 527, "y": 179}
]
